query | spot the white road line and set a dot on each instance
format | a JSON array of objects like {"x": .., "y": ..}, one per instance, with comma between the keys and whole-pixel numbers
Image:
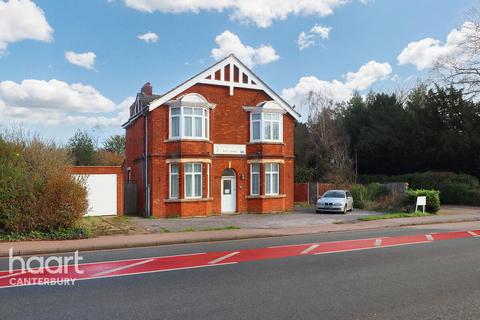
[
  {"x": 12, "y": 274},
  {"x": 224, "y": 257},
  {"x": 132, "y": 274},
  {"x": 429, "y": 237},
  {"x": 473, "y": 233},
  {"x": 369, "y": 248},
  {"x": 327, "y": 242},
  {"x": 122, "y": 267},
  {"x": 312, "y": 247},
  {"x": 109, "y": 261},
  {"x": 378, "y": 242}
]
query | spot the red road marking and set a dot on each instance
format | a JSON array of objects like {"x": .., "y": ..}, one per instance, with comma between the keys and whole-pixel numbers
[
  {"x": 451, "y": 235},
  {"x": 200, "y": 260}
]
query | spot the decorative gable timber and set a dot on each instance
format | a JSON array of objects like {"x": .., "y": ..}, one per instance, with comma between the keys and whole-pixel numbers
[{"x": 229, "y": 72}]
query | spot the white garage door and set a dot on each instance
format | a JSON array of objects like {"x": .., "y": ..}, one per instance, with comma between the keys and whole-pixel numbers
[{"x": 102, "y": 194}]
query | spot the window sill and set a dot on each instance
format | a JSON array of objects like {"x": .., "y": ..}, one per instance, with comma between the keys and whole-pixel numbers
[
  {"x": 266, "y": 142},
  {"x": 188, "y": 200},
  {"x": 188, "y": 140},
  {"x": 273, "y": 196}
]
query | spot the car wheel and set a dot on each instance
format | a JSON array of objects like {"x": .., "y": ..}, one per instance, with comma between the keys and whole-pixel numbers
[
  {"x": 318, "y": 211},
  {"x": 345, "y": 210}
]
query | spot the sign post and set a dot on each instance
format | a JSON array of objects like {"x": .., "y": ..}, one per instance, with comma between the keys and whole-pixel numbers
[{"x": 421, "y": 201}]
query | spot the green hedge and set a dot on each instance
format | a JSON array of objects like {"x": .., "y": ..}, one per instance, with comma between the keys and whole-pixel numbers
[
  {"x": 433, "y": 199},
  {"x": 424, "y": 180},
  {"x": 454, "y": 188}
]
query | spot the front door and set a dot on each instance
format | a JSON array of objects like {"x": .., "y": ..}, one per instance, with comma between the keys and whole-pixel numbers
[{"x": 229, "y": 197}]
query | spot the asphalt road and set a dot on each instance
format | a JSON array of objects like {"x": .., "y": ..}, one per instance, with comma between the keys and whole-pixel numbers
[{"x": 438, "y": 280}]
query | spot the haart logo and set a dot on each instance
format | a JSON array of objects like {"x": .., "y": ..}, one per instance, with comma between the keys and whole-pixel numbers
[{"x": 37, "y": 270}]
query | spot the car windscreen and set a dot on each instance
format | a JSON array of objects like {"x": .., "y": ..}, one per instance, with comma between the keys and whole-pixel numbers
[{"x": 334, "y": 194}]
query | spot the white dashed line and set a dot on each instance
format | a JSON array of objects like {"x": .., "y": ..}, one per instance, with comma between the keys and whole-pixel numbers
[
  {"x": 429, "y": 237},
  {"x": 122, "y": 267},
  {"x": 378, "y": 242},
  {"x": 473, "y": 233},
  {"x": 312, "y": 247},
  {"x": 224, "y": 257},
  {"x": 13, "y": 274}
]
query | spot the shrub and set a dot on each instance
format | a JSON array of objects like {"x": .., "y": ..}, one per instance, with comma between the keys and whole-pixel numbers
[
  {"x": 37, "y": 192},
  {"x": 455, "y": 193},
  {"x": 360, "y": 195},
  {"x": 304, "y": 174},
  {"x": 473, "y": 197},
  {"x": 454, "y": 188},
  {"x": 433, "y": 199},
  {"x": 423, "y": 180}
]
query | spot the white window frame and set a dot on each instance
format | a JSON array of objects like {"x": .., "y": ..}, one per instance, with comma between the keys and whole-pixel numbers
[
  {"x": 263, "y": 122},
  {"x": 170, "y": 175},
  {"x": 208, "y": 180},
  {"x": 205, "y": 123},
  {"x": 251, "y": 178},
  {"x": 193, "y": 174},
  {"x": 271, "y": 173}
]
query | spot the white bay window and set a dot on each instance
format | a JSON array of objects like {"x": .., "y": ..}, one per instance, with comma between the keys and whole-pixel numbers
[
  {"x": 266, "y": 126},
  {"x": 272, "y": 178},
  {"x": 193, "y": 180},
  {"x": 189, "y": 117},
  {"x": 189, "y": 123},
  {"x": 255, "y": 179}
]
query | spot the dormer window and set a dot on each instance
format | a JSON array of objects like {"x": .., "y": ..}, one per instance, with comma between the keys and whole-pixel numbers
[
  {"x": 266, "y": 122},
  {"x": 190, "y": 117}
]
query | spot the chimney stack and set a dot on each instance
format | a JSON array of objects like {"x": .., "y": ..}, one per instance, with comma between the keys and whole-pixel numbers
[{"x": 147, "y": 89}]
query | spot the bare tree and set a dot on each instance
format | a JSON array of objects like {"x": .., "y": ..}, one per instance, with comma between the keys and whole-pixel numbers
[
  {"x": 328, "y": 139},
  {"x": 461, "y": 68}
]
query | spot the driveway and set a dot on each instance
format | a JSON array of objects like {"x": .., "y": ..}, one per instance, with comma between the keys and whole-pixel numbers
[{"x": 301, "y": 217}]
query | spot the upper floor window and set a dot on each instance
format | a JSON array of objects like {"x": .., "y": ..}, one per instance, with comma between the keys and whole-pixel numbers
[
  {"x": 266, "y": 126},
  {"x": 189, "y": 123},
  {"x": 189, "y": 117}
]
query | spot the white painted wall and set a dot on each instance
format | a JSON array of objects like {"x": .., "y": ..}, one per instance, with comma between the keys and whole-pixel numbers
[{"x": 102, "y": 194}]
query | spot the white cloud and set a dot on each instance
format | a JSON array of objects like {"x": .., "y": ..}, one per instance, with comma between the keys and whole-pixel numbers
[
  {"x": 368, "y": 74},
  {"x": 57, "y": 103},
  {"x": 22, "y": 20},
  {"x": 86, "y": 60},
  {"x": 309, "y": 39},
  {"x": 425, "y": 52},
  {"x": 323, "y": 32},
  {"x": 229, "y": 42},
  {"x": 260, "y": 12},
  {"x": 53, "y": 95},
  {"x": 148, "y": 37}
]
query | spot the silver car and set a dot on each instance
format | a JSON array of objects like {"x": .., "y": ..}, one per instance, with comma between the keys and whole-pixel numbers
[{"x": 335, "y": 201}]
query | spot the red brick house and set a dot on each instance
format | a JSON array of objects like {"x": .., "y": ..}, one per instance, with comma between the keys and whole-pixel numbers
[{"x": 221, "y": 142}]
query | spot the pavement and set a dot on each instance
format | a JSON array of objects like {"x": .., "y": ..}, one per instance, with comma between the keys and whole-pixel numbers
[
  {"x": 301, "y": 217},
  {"x": 449, "y": 214},
  {"x": 424, "y": 280}
]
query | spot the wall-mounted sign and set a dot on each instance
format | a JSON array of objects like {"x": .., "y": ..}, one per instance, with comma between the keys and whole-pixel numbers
[{"x": 235, "y": 149}]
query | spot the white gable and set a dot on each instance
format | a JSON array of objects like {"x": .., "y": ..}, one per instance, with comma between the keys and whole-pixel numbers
[{"x": 229, "y": 72}]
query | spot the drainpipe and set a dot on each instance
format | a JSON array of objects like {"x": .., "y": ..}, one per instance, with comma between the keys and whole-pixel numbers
[{"x": 147, "y": 185}]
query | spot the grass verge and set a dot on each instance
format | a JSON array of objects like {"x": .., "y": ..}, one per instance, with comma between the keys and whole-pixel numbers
[{"x": 396, "y": 215}]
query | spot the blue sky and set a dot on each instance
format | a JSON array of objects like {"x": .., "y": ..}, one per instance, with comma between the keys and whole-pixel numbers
[{"x": 355, "y": 33}]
